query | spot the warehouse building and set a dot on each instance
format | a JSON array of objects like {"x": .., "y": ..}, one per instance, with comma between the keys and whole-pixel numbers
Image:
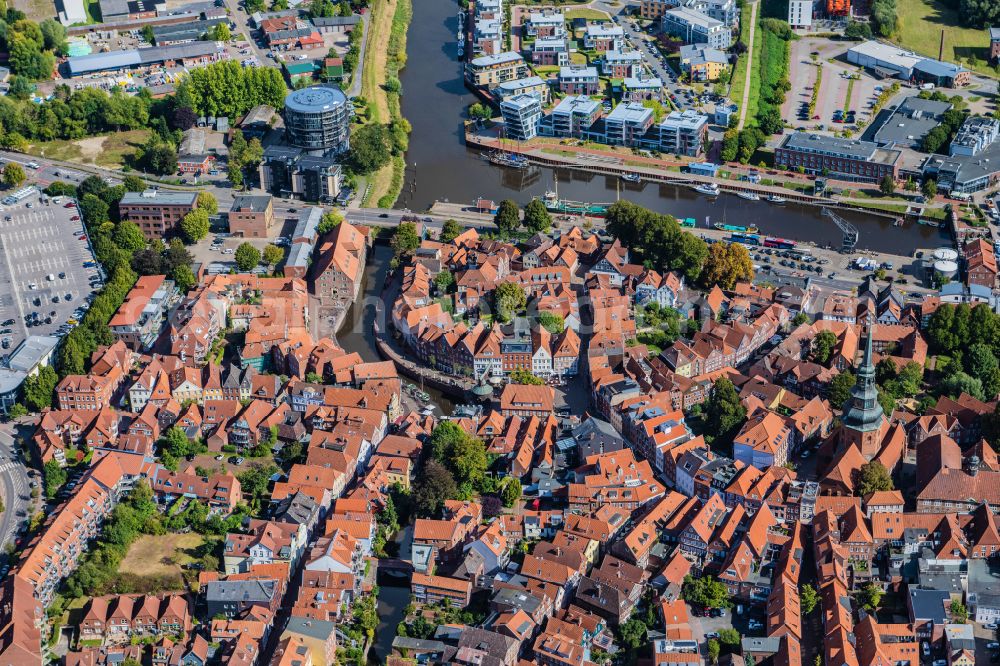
[
  {"x": 909, "y": 122},
  {"x": 890, "y": 61},
  {"x": 188, "y": 55}
]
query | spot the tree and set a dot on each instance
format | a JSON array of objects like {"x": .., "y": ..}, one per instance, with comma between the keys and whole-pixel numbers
[
  {"x": 195, "y": 225},
  {"x": 38, "y": 388},
  {"x": 857, "y": 31},
  {"x": 507, "y": 218},
  {"x": 184, "y": 278},
  {"x": 958, "y": 383},
  {"x": 808, "y": 598},
  {"x": 133, "y": 183},
  {"x": 822, "y": 347},
  {"x": 371, "y": 148},
  {"x": 53, "y": 35},
  {"x": 509, "y": 299},
  {"x": 959, "y": 613},
  {"x": 273, "y": 255},
  {"x": 724, "y": 412},
  {"x": 978, "y": 360},
  {"x": 184, "y": 118},
  {"x": 247, "y": 257},
  {"x": 727, "y": 264},
  {"x": 234, "y": 172},
  {"x": 929, "y": 188},
  {"x": 934, "y": 140},
  {"x": 706, "y": 592},
  {"x": 730, "y": 638},
  {"x": 17, "y": 410},
  {"x": 405, "y": 241},
  {"x": 632, "y": 634},
  {"x": 55, "y": 477},
  {"x": 22, "y": 89},
  {"x": 873, "y": 477},
  {"x": 221, "y": 32},
  {"x": 13, "y": 174},
  {"x": 207, "y": 202},
  {"x": 450, "y": 230},
  {"x": 887, "y": 185},
  {"x": 511, "y": 492},
  {"x": 128, "y": 236},
  {"x": 444, "y": 280},
  {"x": 713, "y": 650},
  {"x": 479, "y": 111},
  {"x": 330, "y": 219},
  {"x": 978, "y": 13},
  {"x": 522, "y": 376},
  {"x": 800, "y": 318},
  {"x": 464, "y": 455},
  {"x": 870, "y": 596},
  {"x": 432, "y": 487},
  {"x": 552, "y": 322},
  {"x": 536, "y": 217}
]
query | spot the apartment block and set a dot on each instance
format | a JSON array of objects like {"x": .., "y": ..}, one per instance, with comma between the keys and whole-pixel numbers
[
  {"x": 143, "y": 315},
  {"x": 695, "y": 27},
  {"x": 156, "y": 213},
  {"x": 251, "y": 215},
  {"x": 579, "y": 80},
  {"x": 521, "y": 115},
  {"x": 492, "y": 70},
  {"x": 683, "y": 132},
  {"x": 627, "y": 124}
]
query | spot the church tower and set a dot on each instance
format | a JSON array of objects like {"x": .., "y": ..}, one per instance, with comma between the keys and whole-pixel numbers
[{"x": 863, "y": 421}]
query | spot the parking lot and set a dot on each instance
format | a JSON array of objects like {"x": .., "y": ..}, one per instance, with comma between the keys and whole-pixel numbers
[{"x": 38, "y": 241}]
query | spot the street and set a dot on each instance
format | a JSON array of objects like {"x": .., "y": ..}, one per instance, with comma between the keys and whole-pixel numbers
[{"x": 13, "y": 485}]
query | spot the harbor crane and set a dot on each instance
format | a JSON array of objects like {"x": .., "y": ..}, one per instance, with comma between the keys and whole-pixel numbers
[{"x": 850, "y": 232}]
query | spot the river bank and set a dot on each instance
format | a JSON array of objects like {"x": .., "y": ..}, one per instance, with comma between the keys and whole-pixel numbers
[{"x": 440, "y": 167}]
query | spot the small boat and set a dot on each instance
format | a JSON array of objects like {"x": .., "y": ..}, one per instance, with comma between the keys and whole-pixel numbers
[
  {"x": 423, "y": 396},
  {"x": 737, "y": 228},
  {"x": 460, "y": 37},
  {"x": 631, "y": 177},
  {"x": 707, "y": 188},
  {"x": 774, "y": 198},
  {"x": 688, "y": 222},
  {"x": 749, "y": 196},
  {"x": 503, "y": 158}
]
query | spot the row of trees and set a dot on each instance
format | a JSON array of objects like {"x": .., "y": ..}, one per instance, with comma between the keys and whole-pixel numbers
[
  {"x": 970, "y": 339},
  {"x": 885, "y": 17},
  {"x": 977, "y": 13},
  {"x": 774, "y": 83},
  {"x": 508, "y": 217},
  {"x": 657, "y": 241},
  {"x": 227, "y": 89},
  {"x": 31, "y": 47}
]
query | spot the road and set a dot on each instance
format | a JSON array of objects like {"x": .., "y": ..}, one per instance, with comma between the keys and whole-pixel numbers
[
  {"x": 651, "y": 55},
  {"x": 13, "y": 484},
  {"x": 746, "y": 84}
]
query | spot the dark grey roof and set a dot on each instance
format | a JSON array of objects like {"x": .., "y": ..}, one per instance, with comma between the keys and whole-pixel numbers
[
  {"x": 417, "y": 644},
  {"x": 111, "y": 8},
  {"x": 596, "y": 436},
  {"x": 984, "y": 582},
  {"x": 930, "y": 604},
  {"x": 240, "y": 590},
  {"x": 321, "y": 21},
  {"x": 510, "y": 599},
  {"x": 319, "y": 629},
  {"x": 761, "y": 644},
  {"x": 254, "y": 202},
  {"x": 818, "y": 143},
  {"x": 298, "y": 509},
  {"x": 180, "y": 30},
  {"x": 910, "y": 121},
  {"x": 315, "y": 99}
]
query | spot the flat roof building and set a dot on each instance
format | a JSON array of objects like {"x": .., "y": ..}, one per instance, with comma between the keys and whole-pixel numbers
[
  {"x": 890, "y": 59},
  {"x": 695, "y": 27},
  {"x": 909, "y": 122},
  {"x": 156, "y": 212},
  {"x": 848, "y": 159}
]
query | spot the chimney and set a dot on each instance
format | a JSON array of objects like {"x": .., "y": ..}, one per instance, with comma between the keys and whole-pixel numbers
[{"x": 941, "y": 46}]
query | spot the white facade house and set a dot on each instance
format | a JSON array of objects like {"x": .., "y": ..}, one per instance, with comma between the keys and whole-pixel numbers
[{"x": 800, "y": 13}]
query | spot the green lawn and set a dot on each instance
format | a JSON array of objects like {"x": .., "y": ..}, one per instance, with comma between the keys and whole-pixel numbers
[
  {"x": 922, "y": 21},
  {"x": 590, "y": 14},
  {"x": 111, "y": 150}
]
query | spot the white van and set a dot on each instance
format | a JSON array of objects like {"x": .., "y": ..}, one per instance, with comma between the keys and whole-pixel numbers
[{"x": 50, "y": 277}]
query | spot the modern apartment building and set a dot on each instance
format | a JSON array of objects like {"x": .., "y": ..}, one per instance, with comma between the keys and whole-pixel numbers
[
  {"x": 532, "y": 85},
  {"x": 695, "y": 27},
  {"x": 800, "y": 13},
  {"x": 703, "y": 63},
  {"x": 521, "y": 115},
  {"x": 292, "y": 172},
  {"x": 573, "y": 116},
  {"x": 683, "y": 132},
  {"x": 142, "y": 316},
  {"x": 550, "y": 51},
  {"x": 579, "y": 80},
  {"x": 627, "y": 124},
  {"x": 156, "y": 213},
  {"x": 546, "y": 23},
  {"x": 603, "y": 37},
  {"x": 491, "y": 70},
  {"x": 619, "y": 64}
]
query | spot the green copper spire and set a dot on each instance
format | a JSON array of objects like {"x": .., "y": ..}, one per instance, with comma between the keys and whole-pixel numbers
[{"x": 862, "y": 411}]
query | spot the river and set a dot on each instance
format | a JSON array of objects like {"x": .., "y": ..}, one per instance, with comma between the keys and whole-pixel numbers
[{"x": 440, "y": 167}]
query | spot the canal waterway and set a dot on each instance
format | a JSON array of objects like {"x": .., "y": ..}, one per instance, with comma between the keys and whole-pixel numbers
[{"x": 441, "y": 168}]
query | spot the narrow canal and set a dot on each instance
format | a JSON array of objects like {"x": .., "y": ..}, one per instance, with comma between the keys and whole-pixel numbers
[{"x": 440, "y": 167}]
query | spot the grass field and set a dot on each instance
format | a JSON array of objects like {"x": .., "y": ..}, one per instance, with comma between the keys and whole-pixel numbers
[
  {"x": 160, "y": 555},
  {"x": 922, "y": 21},
  {"x": 109, "y": 150},
  {"x": 590, "y": 14}
]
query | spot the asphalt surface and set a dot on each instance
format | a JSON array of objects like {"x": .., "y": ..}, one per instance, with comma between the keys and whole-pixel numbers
[
  {"x": 13, "y": 485},
  {"x": 37, "y": 243}
]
